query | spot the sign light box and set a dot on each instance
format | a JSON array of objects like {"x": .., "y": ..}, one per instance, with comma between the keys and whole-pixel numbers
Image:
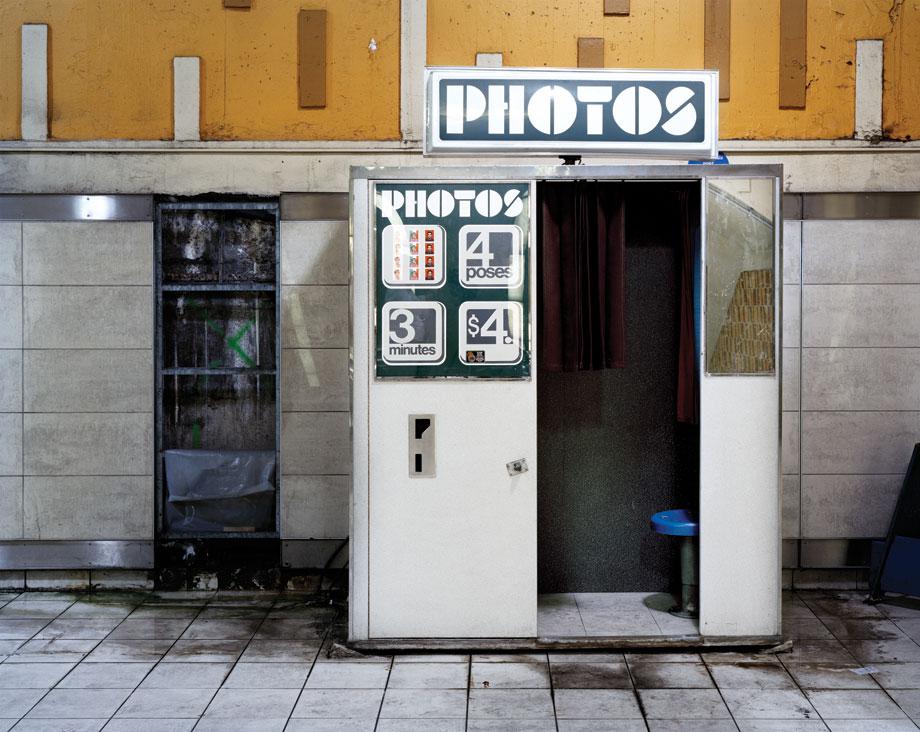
[{"x": 572, "y": 111}]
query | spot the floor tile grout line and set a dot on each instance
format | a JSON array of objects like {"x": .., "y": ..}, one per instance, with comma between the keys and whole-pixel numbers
[
  {"x": 383, "y": 696},
  {"x": 581, "y": 619},
  {"x": 802, "y": 691},
  {"x": 635, "y": 691},
  {"x": 712, "y": 678},
  {"x": 322, "y": 643},
  {"x": 469, "y": 687},
  {"x": 855, "y": 660},
  {"x": 48, "y": 691},
  {"x": 155, "y": 664}
]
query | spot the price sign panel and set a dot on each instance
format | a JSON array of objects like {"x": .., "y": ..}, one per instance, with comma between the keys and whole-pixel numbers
[
  {"x": 452, "y": 286},
  {"x": 491, "y": 333}
]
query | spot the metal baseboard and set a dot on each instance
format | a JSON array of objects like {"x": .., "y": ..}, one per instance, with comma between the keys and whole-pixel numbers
[
  {"x": 314, "y": 553},
  {"x": 683, "y": 642},
  {"x": 26, "y": 555},
  {"x": 835, "y": 553}
]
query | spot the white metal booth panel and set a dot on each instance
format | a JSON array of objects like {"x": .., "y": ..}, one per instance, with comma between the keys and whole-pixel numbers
[{"x": 444, "y": 549}]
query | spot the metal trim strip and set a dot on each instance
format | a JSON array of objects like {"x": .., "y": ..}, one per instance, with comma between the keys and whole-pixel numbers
[
  {"x": 882, "y": 205},
  {"x": 53, "y": 207},
  {"x": 25, "y": 555},
  {"x": 314, "y": 207}
]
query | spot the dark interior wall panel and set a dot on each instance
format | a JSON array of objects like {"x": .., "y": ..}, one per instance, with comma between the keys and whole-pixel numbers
[{"x": 610, "y": 450}]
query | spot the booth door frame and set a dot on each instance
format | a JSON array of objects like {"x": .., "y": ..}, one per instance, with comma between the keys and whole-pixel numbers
[{"x": 740, "y": 533}]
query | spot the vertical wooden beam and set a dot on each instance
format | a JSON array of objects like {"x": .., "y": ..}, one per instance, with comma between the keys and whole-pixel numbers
[
  {"x": 311, "y": 58},
  {"x": 616, "y": 7},
  {"x": 717, "y": 42},
  {"x": 793, "y": 59},
  {"x": 591, "y": 53}
]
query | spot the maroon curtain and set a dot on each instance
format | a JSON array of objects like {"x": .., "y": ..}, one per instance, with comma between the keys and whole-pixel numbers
[
  {"x": 583, "y": 325},
  {"x": 688, "y": 401}
]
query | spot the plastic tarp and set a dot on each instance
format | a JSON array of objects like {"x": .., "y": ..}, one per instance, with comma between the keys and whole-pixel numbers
[{"x": 220, "y": 490}]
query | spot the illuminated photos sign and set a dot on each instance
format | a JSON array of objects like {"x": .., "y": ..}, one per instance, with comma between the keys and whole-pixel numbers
[{"x": 572, "y": 111}]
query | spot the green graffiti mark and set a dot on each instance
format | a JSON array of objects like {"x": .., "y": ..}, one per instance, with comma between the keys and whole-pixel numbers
[
  {"x": 196, "y": 436},
  {"x": 233, "y": 341}
]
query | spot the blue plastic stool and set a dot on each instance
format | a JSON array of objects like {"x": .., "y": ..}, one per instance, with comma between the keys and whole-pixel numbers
[{"x": 680, "y": 522}]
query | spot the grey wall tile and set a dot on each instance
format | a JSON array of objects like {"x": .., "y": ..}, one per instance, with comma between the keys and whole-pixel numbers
[
  {"x": 867, "y": 443},
  {"x": 315, "y": 379},
  {"x": 314, "y": 252},
  {"x": 88, "y": 317},
  {"x": 789, "y": 457},
  {"x": 848, "y": 506},
  {"x": 792, "y": 316},
  {"x": 861, "y": 251},
  {"x": 10, "y": 316},
  {"x": 315, "y": 443},
  {"x": 861, "y": 378},
  {"x": 10, "y": 380},
  {"x": 87, "y": 253},
  {"x": 88, "y": 507},
  {"x": 315, "y": 507},
  {"x": 791, "y": 378},
  {"x": 792, "y": 252},
  {"x": 314, "y": 316},
  {"x": 88, "y": 444},
  {"x": 11, "y": 444},
  {"x": 10, "y": 253},
  {"x": 10, "y": 508},
  {"x": 791, "y": 519},
  {"x": 861, "y": 315},
  {"x": 89, "y": 381}
]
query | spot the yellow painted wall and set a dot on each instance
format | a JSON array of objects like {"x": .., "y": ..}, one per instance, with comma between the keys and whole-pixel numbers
[
  {"x": 669, "y": 34},
  {"x": 111, "y": 68},
  {"x": 111, "y": 61}
]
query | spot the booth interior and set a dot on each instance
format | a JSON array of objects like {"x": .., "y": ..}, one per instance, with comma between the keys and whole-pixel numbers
[{"x": 618, "y": 402}]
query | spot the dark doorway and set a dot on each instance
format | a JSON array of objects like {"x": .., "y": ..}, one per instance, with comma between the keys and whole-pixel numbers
[{"x": 611, "y": 451}]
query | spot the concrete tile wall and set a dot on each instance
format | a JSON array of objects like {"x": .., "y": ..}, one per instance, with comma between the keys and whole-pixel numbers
[
  {"x": 11, "y": 380},
  {"x": 315, "y": 397},
  {"x": 76, "y": 411},
  {"x": 855, "y": 373},
  {"x": 96, "y": 507}
]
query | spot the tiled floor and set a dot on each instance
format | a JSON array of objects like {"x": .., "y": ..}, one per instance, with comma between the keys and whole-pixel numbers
[
  {"x": 261, "y": 662},
  {"x": 584, "y": 614}
]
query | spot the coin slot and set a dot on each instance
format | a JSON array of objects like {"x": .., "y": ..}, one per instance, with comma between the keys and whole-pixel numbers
[{"x": 421, "y": 446}]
